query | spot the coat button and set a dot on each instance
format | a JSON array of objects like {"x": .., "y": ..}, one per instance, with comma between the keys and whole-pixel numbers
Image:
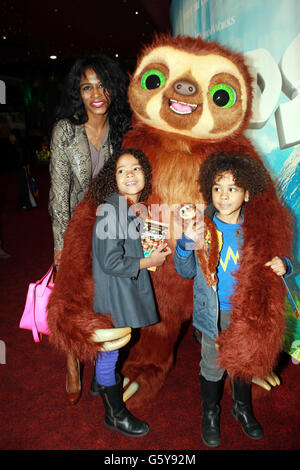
[{"x": 133, "y": 278}]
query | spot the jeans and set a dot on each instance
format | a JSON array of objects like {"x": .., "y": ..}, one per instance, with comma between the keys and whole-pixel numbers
[{"x": 209, "y": 367}]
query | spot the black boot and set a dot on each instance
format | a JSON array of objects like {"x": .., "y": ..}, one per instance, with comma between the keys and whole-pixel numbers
[
  {"x": 116, "y": 415},
  {"x": 242, "y": 409},
  {"x": 211, "y": 396},
  {"x": 95, "y": 387}
]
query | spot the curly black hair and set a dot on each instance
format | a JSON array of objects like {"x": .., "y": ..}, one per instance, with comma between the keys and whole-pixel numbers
[
  {"x": 113, "y": 79},
  {"x": 248, "y": 173},
  {"x": 105, "y": 182}
]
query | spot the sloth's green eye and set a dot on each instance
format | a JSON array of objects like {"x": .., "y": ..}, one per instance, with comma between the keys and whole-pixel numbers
[
  {"x": 223, "y": 95},
  {"x": 152, "y": 79}
]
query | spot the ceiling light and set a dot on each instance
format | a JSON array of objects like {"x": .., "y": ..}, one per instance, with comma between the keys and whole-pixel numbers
[{"x": 53, "y": 57}]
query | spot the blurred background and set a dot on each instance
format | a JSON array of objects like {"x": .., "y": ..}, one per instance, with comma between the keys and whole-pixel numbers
[{"x": 39, "y": 42}]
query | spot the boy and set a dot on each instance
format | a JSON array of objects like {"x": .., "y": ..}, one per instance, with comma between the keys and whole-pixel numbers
[{"x": 227, "y": 183}]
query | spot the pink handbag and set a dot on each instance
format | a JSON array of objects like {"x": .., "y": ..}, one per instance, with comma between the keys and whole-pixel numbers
[{"x": 34, "y": 317}]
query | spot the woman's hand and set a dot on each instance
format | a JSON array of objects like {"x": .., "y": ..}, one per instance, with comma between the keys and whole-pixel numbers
[{"x": 57, "y": 257}]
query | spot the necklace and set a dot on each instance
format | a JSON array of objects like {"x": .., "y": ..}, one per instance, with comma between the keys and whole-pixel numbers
[{"x": 96, "y": 135}]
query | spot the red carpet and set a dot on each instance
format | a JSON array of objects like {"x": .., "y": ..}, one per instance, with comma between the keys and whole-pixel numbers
[{"x": 34, "y": 412}]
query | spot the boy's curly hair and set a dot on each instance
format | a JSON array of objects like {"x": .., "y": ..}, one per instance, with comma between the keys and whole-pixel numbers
[
  {"x": 115, "y": 82},
  {"x": 105, "y": 182},
  {"x": 248, "y": 173}
]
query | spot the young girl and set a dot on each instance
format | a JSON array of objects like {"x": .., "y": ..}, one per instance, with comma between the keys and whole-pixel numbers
[
  {"x": 227, "y": 182},
  {"x": 122, "y": 283}
]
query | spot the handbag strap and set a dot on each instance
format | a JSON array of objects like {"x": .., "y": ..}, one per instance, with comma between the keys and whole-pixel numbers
[
  {"x": 45, "y": 280},
  {"x": 34, "y": 329}
]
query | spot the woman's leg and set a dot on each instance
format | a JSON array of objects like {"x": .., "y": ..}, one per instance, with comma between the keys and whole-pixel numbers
[{"x": 73, "y": 382}]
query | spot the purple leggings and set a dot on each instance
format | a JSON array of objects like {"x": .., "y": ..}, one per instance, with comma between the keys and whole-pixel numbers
[{"x": 106, "y": 366}]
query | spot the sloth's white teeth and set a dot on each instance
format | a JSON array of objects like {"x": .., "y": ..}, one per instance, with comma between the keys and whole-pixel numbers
[{"x": 180, "y": 107}]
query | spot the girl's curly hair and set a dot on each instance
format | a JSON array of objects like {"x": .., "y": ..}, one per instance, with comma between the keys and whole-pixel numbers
[
  {"x": 248, "y": 173},
  {"x": 114, "y": 80},
  {"x": 105, "y": 182}
]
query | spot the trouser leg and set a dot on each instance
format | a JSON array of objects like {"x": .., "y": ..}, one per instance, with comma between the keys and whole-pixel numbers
[
  {"x": 209, "y": 366},
  {"x": 211, "y": 381},
  {"x": 105, "y": 367}
]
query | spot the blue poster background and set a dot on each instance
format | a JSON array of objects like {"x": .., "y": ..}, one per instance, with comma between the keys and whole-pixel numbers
[{"x": 268, "y": 34}]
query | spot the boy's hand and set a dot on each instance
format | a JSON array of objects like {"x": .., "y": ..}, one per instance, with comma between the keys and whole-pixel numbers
[
  {"x": 277, "y": 265},
  {"x": 195, "y": 233}
]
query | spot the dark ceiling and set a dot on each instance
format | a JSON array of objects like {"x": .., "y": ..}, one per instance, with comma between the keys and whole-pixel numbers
[{"x": 32, "y": 30}]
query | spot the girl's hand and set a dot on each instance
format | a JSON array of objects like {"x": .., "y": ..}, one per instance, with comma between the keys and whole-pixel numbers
[
  {"x": 277, "y": 265},
  {"x": 158, "y": 256}
]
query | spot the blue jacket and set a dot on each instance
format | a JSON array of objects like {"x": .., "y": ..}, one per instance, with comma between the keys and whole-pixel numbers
[{"x": 205, "y": 301}]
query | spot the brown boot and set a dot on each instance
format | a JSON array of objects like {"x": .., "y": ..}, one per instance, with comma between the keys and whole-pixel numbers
[{"x": 73, "y": 382}]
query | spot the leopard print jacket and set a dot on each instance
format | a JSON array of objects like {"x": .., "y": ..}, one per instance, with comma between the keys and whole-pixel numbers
[{"x": 70, "y": 173}]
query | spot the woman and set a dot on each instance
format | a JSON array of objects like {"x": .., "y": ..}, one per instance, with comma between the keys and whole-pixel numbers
[{"x": 90, "y": 124}]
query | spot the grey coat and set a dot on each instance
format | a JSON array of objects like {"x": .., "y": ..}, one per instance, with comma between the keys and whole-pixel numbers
[
  {"x": 121, "y": 288},
  {"x": 70, "y": 173}
]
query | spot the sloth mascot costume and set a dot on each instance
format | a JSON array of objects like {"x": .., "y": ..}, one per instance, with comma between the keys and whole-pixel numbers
[{"x": 189, "y": 99}]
